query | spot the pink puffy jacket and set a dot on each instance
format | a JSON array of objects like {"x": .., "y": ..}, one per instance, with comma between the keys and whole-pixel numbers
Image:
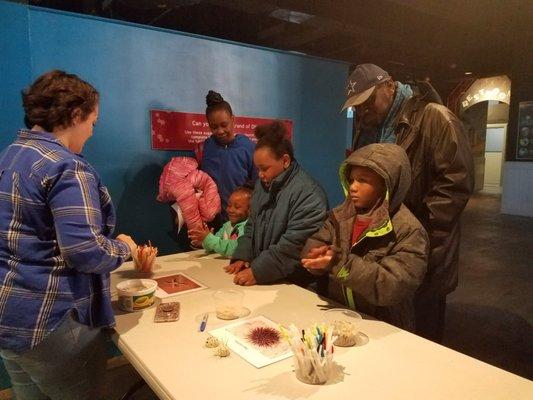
[{"x": 195, "y": 192}]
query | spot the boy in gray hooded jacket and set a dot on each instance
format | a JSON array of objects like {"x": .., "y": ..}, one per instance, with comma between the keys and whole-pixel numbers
[{"x": 372, "y": 246}]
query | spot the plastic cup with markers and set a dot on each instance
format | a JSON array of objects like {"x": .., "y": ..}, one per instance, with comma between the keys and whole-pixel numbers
[{"x": 312, "y": 351}]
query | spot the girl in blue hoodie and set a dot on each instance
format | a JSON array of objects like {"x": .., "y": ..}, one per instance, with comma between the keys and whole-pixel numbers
[{"x": 227, "y": 157}]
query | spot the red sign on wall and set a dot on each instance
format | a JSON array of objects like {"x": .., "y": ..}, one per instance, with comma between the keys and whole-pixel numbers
[{"x": 172, "y": 130}]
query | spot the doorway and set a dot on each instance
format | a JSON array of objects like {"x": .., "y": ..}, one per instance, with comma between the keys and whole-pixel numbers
[
  {"x": 494, "y": 156},
  {"x": 484, "y": 109}
]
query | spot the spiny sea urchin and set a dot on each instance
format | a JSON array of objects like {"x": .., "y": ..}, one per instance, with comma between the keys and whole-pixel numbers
[{"x": 264, "y": 336}]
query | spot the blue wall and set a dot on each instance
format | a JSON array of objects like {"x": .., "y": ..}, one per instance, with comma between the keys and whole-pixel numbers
[
  {"x": 15, "y": 68},
  {"x": 137, "y": 68}
]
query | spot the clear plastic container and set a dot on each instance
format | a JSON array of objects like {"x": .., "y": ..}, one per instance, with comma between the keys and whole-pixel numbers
[
  {"x": 228, "y": 303},
  {"x": 345, "y": 326}
]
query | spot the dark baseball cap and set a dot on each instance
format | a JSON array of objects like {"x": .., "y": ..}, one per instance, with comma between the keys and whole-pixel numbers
[{"x": 362, "y": 83}]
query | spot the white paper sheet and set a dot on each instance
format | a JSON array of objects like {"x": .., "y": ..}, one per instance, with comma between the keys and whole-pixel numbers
[{"x": 235, "y": 337}]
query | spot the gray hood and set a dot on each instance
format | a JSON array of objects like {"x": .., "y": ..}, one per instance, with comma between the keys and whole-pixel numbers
[{"x": 390, "y": 162}]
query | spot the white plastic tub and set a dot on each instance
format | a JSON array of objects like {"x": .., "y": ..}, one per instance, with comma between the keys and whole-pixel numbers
[{"x": 136, "y": 294}]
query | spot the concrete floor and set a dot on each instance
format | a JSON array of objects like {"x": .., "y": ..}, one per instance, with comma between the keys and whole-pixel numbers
[
  {"x": 489, "y": 316},
  {"x": 120, "y": 379}
]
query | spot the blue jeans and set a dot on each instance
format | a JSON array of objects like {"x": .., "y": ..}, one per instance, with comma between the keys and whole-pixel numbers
[{"x": 68, "y": 365}]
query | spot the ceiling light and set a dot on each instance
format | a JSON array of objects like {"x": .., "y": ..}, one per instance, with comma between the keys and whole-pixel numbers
[
  {"x": 468, "y": 73},
  {"x": 290, "y": 16}
]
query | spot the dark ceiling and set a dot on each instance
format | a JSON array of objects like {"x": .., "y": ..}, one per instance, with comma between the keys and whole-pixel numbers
[{"x": 440, "y": 39}]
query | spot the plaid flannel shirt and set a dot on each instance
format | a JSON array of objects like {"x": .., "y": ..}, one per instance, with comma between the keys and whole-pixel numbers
[{"x": 56, "y": 220}]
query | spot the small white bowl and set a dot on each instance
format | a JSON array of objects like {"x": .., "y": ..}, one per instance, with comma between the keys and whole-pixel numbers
[{"x": 136, "y": 294}]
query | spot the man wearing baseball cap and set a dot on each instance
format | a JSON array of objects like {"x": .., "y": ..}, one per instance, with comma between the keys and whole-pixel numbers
[{"x": 388, "y": 111}]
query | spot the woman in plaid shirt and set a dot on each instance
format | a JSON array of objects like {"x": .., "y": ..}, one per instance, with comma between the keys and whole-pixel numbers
[{"x": 56, "y": 250}]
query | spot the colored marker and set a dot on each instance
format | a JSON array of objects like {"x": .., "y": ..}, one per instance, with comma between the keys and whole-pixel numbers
[{"x": 204, "y": 322}]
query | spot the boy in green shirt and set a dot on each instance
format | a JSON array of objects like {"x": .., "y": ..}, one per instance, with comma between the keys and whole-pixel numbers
[{"x": 224, "y": 242}]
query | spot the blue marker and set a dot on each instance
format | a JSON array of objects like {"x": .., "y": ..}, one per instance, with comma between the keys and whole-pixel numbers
[{"x": 204, "y": 322}]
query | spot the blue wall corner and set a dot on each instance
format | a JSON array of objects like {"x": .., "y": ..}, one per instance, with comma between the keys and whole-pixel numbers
[{"x": 137, "y": 68}]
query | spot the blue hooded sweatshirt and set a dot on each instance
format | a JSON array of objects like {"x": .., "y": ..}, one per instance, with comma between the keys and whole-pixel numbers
[{"x": 229, "y": 165}]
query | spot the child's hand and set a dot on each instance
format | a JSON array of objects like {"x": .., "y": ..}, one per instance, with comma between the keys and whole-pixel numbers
[
  {"x": 245, "y": 278},
  {"x": 197, "y": 235},
  {"x": 318, "y": 252},
  {"x": 318, "y": 258},
  {"x": 235, "y": 267}
]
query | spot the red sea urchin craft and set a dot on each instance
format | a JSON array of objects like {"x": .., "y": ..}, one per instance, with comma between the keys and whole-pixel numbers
[{"x": 264, "y": 336}]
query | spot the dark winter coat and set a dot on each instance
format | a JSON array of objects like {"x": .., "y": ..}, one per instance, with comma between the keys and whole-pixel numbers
[
  {"x": 380, "y": 273},
  {"x": 442, "y": 181},
  {"x": 282, "y": 217}
]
